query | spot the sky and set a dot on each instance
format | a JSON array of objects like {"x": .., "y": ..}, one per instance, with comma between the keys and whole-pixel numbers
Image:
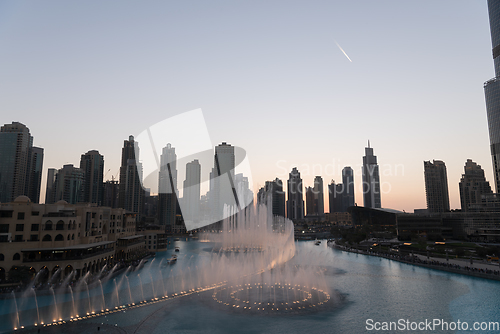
[{"x": 293, "y": 83}]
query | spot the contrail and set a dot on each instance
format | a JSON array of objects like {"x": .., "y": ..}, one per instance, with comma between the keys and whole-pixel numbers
[{"x": 343, "y": 51}]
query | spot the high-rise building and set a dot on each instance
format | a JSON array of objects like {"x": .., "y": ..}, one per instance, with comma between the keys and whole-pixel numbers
[
  {"x": 319, "y": 196},
  {"x": 492, "y": 91},
  {"x": 191, "y": 192},
  {"x": 315, "y": 203},
  {"x": 473, "y": 185},
  {"x": 18, "y": 175},
  {"x": 242, "y": 189},
  {"x": 335, "y": 197},
  {"x": 348, "y": 188},
  {"x": 50, "y": 191},
  {"x": 131, "y": 192},
  {"x": 68, "y": 185},
  {"x": 92, "y": 164},
  {"x": 222, "y": 182},
  {"x": 167, "y": 188},
  {"x": 272, "y": 194},
  {"x": 110, "y": 197},
  {"x": 295, "y": 201},
  {"x": 436, "y": 186},
  {"x": 371, "y": 180},
  {"x": 35, "y": 174},
  {"x": 311, "y": 204}
]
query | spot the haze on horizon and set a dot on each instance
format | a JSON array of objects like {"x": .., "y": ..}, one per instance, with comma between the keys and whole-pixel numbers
[{"x": 269, "y": 78}]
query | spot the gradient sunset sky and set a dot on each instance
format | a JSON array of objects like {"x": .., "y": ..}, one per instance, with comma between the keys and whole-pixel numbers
[{"x": 269, "y": 76}]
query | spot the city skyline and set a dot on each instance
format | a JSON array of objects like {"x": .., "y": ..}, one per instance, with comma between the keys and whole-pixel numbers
[{"x": 278, "y": 73}]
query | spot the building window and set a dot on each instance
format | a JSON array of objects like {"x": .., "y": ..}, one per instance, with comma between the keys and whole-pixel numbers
[
  {"x": 47, "y": 237},
  {"x": 35, "y": 213},
  {"x": 60, "y": 225},
  {"x": 20, "y": 215},
  {"x": 35, "y": 227},
  {"x": 2, "y": 257},
  {"x": 18, "y": 237},
  {"x": 48, "y": 226},
  {"x": 5, "y": 214},
  {"x": 34, "y": 237},
  {"x": 4, "y": 228},
  {"x": 16, "y": 257},
  {"x": 59, "y": 237},
  {"x": 19, "y": 227}
]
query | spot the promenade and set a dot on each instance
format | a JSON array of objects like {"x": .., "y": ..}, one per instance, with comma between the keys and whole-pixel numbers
[{"x": 455, "y": 265}]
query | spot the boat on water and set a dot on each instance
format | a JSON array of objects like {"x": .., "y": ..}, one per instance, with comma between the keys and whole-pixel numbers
[
  {"x": 177, "y": 249},
  {"x": 317, "y": 242},
  {"x": 172, "y": 260}
]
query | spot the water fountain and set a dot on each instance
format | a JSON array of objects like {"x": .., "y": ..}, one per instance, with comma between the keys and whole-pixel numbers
[{"x": 246, "y": 267}]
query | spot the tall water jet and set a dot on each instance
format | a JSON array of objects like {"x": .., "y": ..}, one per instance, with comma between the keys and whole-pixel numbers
[
  {"x": 36, "y": 304},
  {"x": 117, "y": 294},
  {"x": 129, "y": 292},
  {"x": 162, "y": 284},
  {"x": 152, "y": 285},
  {"x": 102, "y": 295},
  {"x": 74, "y": 311},
  {"x": 88, "y": 297},
  {"x": 17, "y": 322},
  {"x": 56, "y": 311},
  {"x": 142, "y": 290}
]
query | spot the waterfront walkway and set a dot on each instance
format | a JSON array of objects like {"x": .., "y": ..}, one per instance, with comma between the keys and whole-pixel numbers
[{"x": 457, "y": 266}]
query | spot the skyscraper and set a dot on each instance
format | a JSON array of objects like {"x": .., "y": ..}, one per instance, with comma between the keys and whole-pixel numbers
[
  {"x": 167, "y": 188},
  {"x": 311, "y": 204},
  {"x": 50, "y": 191},
  {"x": 68, "y": 185},
  {"x": 191, "y": 192},
  {"x": 348, "y": 188},
  {"x": 295, "y": 201},
  {"x": 472, "y": 185},
  {"x": 335, "y": 197},
  {"x": 35, "y": 174},
  {"x": 315, "y": 202},
  {"x": 92, "y": 164},
  {"x": 131, "y": 192},
  {"x": 492, "y": 91},
  {"x": 319, "y": 196},
  {"x": 436, "y": 186},
  {"x": 371, "y": 180},
  {"x": 16, "y": 169},
  {"x": 272, "y": 193},
  {"x": 222, "y": 182}
]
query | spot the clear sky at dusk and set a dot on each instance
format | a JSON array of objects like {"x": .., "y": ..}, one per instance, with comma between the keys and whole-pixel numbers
[{"x": 269, "y": 78}]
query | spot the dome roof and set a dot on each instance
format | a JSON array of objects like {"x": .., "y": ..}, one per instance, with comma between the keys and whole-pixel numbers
[
  {"x": 22, "y": 199},
  {"x": 61, "y": 202}
]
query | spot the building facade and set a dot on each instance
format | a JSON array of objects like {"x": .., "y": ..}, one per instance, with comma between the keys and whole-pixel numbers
[
  {"x": 272, "y": 194},
  {"x": 65, "y": 237},
  {"x": 473, "y": 186},
  {"x": 20, "y": 163},
  {"x": 191, "y": 192},
  {"x": 436, "y": 186},
  {"x": 371, "y": 180},
  {"x": 222, "y": 182},
  {"x": 167, "y": 188},
  {"x": 295, "y": 199},
  {"x": 131, "y": 192},
  {"x": 68, "y": 185},
  {"x": 92, "y": 164},
  {"x": 492, "y": 91}
]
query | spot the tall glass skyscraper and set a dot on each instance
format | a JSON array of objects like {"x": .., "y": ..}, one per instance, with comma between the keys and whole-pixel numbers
[
  {"x": 20, "y": 163},
  {"x": 492, "y": 91},
  {"x": 371, "y": 180}
]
